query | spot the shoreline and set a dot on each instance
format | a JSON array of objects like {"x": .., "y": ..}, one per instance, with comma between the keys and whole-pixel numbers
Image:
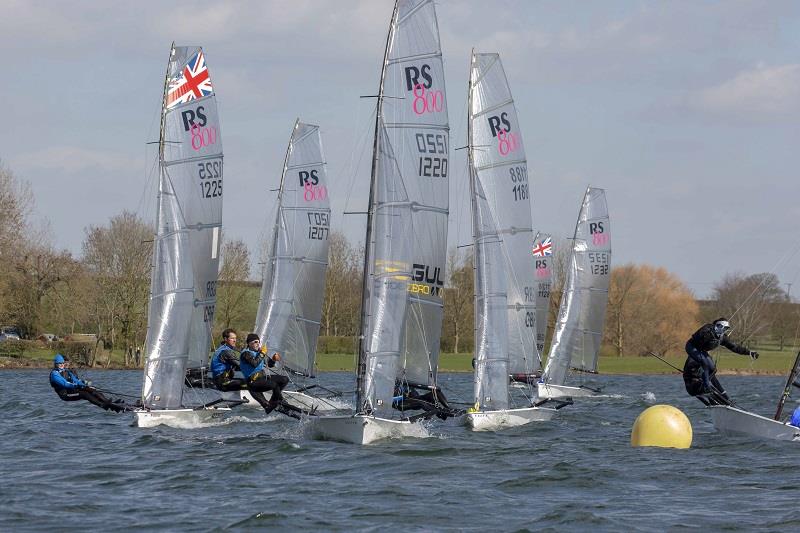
[{"x": 38, "y": 364}]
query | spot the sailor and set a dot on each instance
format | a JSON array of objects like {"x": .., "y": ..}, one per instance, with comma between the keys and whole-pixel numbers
[
  {"x": 795, "y": 421},
  {"x": 253, "y": 363},
  {"x": 699, "y": 371},
  {"x": 407, "y": 398},
  {"x": 71, "y": 388},
  {"x": 225, "y": 362}
]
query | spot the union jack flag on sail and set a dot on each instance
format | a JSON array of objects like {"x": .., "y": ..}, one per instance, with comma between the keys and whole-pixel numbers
[
  {"x": 193, "y": 82},
  {"x": 543, "y": 248}
]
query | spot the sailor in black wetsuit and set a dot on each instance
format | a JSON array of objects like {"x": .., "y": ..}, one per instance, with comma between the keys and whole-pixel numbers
[
  {"x": 408, "y": 398},
  {"x": 699, "y": 371},
  {"x": 71, "y": 388}
]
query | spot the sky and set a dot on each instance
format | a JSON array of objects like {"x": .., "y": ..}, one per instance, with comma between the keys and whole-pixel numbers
[{"x": 686, "y": 112}]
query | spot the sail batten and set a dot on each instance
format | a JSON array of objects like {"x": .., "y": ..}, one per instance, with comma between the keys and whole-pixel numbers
[
  {"x": 581, "y": 314},
  {"x": 189, "y": 215},
  {"x": 407, "y": 216},
  {"x": 505, "y": 303},
  {"x": 293, "y": 280}
]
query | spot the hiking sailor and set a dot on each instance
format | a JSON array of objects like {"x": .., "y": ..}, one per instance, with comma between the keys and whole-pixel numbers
[
  {"x": 71, "y": 388},
  {"x": 225, "y": 362},
  {"x": 253, "y": 362},
  {"x": 699, "y": 371}
]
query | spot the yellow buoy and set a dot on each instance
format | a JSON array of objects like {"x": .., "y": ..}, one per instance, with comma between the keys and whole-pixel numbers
[{"x": 664, "y": 426}]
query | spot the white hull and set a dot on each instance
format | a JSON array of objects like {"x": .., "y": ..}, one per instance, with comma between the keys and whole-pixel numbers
[
  {"x": 545, "y": 390},
  {"x": 509, "y": 418},
  {"x": 729, "y": 420},
  {"x": 178, "y": 418},
  {"x": 297, "y": 399},
  {"x": 361, "y": 429}
]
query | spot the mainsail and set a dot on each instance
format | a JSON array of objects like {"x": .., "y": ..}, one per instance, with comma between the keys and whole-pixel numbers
[
  {"x": 188, "y": 222},
  {"x": 505, "y": 293},
  {"x": 408, "y": 207},
  {"x": 543, "y": 261},
  {"x": 579, "y": 326},
  {"x": 293, "y": 284}
]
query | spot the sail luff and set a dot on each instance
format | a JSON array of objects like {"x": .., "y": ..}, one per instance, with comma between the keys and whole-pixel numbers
[{"x": 369, "y": 245}]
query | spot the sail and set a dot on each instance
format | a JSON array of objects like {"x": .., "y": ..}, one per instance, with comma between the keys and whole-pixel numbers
[
  {"x": 407, "y": 225},
  {"x": 579, "y": 326},
  {"x": 501, "y": 168},
  {"x": 186, "y": 245},
  {"x": 293, "y": 284},
  {"x": 543, "y": 258}
]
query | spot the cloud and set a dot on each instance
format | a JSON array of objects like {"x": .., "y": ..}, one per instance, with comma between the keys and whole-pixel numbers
[{"x": 762, "y": 93}]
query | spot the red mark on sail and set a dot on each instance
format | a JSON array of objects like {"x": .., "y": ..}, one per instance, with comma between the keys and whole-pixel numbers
[
  {"x": 506, "y": 142},
  {"x": 599, "y": 239},
  {"x": 427, "y": 101},
  {"x": 542, "y": 272},
  {"x": 314, "y": 192},
  {"x": 203, "y": 136}
]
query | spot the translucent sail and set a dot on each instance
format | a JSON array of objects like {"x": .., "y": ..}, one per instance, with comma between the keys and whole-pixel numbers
[
  {"x": 543, "y": 250},
  {"x": 186, "y": 247},
  {"x": 293, "y": 284},
  {"x": 579, "y": 326},
  {"x": 505, "y": 274},
  {"x": 407, "y": 227}
]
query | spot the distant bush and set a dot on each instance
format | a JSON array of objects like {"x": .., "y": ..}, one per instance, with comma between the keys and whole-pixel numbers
[
  {"x": 15, "y": 348},
  {"x": 79, "y": 353}
]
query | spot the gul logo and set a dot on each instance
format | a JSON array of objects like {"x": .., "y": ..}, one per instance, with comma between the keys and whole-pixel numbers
[
  {"x": 495, "y": 124},
  {"x": 426, "y": 281},
  {"x": 190, "y": 115},
  {"x": 413, "y": 74}
]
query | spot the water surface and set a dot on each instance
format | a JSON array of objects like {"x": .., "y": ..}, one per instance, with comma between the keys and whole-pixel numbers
[{"x": 72, "y": 465}]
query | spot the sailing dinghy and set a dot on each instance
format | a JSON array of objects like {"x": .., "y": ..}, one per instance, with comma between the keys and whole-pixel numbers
[
  {"x": 732, "y": 420},
  {"x": 406, "y": 238},
  {"x": 293, "y": 282},
  {"x": 581, "y": 314},
  {"x": 186, "y": 248},
  {"x": 543, "y": 258},
  {"x": 505, "y": 294}
]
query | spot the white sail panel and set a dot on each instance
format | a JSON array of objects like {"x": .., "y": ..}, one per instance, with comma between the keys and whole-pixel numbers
[
  {"x": 543, "y": 250},
  {"x": 186, "y": 248},
  {"x": 407, "y": 247},
  {"x": 581, "y": 314},
  {"x": 293, "y": 284},
  {"x": 501, "y": 167}
]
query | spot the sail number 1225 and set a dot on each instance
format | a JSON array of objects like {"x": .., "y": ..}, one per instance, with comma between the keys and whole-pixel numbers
[{"x": 210, "y": 174}]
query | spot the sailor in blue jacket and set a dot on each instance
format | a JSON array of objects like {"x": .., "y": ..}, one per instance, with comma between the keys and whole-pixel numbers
[
  {"x": 71, "y": 388},
  {"x": 253, "y": 363},
  {"x": 225, "y": 362}
]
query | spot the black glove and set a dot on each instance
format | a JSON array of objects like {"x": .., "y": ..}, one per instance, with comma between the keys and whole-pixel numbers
[{"x": 753, "y": 354}]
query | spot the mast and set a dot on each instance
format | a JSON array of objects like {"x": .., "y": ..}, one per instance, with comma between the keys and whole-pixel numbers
[
  {"x": 474, "y": 211},
  {"x": 361, "y": 368}
]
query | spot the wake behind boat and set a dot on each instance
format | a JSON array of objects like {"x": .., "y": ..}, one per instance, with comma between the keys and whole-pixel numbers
[
  {"x": 406, "y": 240},
  {"x": 505, "y": 296},
  {"x": 185, "y": 248}
]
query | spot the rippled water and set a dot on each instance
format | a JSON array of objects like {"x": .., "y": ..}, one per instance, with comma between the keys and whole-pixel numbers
[{"x": 72, "y": 465}]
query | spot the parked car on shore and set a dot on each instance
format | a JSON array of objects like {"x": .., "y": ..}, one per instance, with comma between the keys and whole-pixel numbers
[{"x": 48, "y": 337}]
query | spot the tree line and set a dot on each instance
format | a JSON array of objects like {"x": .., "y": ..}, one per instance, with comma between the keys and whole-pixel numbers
[{"x": 105, "y": 290}]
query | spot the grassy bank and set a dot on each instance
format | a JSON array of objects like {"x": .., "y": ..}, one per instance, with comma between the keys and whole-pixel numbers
[{"x": 770, "y": 362}]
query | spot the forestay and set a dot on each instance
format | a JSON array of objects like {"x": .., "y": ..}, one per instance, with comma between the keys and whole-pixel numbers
[
  {"x": 579, "y": 326},
  {"x": 187, "y": 241},
  {"x": 503, "y": 233},
  {"x": 407, "y": 221},
  {"x": 543, "y": 261},
  {"x": 293, "y": 284}
]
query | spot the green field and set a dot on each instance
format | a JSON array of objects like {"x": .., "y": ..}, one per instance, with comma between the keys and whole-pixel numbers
[{"x": 770, "y": 362}]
